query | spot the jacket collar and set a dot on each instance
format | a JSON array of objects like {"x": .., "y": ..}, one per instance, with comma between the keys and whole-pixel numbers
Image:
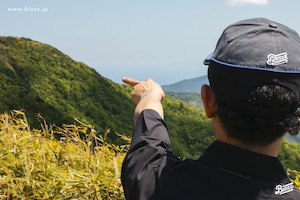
[{"x": 243, "y": 162}]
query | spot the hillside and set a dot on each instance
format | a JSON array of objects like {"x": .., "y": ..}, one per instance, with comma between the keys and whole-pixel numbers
[
  {"x": 191, "y": 98},
  {"x": 187, "y": 90},
  {"x": 38, "y": 78}
]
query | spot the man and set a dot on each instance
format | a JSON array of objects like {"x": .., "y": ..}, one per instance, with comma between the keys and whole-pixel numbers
[{"x": 253, "y": 100}]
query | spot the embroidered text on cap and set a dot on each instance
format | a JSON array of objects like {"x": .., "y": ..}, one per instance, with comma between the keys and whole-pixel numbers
[{"x": 278, "y": 59}]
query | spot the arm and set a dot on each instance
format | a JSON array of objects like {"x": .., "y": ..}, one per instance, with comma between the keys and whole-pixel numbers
[{"x": 147, "y": 155}]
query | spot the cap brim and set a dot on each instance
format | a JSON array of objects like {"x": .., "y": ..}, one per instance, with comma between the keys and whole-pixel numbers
[{"x": 207, "y": 59}]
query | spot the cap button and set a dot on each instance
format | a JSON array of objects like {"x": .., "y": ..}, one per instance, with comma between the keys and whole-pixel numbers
[{"x": 273, "y": 25}]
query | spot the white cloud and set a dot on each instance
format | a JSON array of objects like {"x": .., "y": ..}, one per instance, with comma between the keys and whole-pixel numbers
[{"x": 247, "y": 2}]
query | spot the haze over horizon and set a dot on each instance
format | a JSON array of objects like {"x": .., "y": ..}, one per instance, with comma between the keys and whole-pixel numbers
[{"x": 165, "y": 40}]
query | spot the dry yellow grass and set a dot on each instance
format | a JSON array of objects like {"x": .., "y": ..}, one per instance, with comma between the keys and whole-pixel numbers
[{"x": 34, "y": 165}]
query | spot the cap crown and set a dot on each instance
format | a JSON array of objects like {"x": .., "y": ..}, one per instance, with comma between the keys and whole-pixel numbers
[{"x": 259, "y": 43}]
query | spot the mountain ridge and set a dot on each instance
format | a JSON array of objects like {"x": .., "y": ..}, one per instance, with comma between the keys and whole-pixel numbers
[{"x": 192, "y": 85}]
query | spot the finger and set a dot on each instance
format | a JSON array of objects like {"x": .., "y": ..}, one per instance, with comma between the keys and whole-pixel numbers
[{"x": 130, "y": 81}]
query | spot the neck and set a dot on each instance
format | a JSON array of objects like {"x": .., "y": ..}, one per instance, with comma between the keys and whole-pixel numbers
[{"x": 271, "y": 149}]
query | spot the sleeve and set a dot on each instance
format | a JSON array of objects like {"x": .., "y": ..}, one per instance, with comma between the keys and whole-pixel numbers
[{"x": 146, "y": 157}]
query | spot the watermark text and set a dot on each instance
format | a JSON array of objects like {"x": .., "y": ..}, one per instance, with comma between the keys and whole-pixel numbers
[{"x": 28, "y": 9}]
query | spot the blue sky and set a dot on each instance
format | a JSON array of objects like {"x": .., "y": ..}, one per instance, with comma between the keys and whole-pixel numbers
[{"x": 166, "y": 40}]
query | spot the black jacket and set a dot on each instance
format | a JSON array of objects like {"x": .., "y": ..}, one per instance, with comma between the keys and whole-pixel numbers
[{"x": 224, "y": 172}]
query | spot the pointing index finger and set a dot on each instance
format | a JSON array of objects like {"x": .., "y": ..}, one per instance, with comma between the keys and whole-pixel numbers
[{"x": 130, "y": 81}]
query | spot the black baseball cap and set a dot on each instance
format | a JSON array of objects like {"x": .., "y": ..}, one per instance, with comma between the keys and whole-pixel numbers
[{"x": 251, "y": 53}]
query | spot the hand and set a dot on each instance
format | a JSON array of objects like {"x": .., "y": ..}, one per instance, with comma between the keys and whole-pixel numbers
[
  {"x": 142, "y": 89},
  {"x": 146, "y": 95}
]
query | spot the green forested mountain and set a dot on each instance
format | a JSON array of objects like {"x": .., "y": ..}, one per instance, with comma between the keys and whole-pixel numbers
[
  {"x": 38, "y": 78},
  {"x": 191, "y": 98}
]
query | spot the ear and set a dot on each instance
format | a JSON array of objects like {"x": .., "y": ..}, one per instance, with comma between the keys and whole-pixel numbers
[{"x": 209, "y": 101}]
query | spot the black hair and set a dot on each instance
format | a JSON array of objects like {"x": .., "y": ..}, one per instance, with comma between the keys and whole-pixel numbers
[{"x": 255, "y": 130}]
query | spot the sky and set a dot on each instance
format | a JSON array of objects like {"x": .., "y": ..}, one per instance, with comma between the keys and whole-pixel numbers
[{"x": 166, "y": 40}]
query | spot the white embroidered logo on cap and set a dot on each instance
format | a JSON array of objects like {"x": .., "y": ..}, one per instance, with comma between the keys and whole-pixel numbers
[
  {"x": 278, "y": 59},
  {"x": 283, "y": 189}
]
